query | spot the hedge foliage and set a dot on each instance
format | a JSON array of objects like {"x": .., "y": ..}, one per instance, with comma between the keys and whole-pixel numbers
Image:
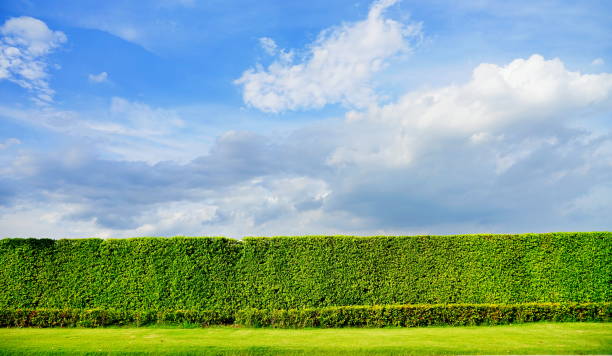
[
  {"x": 226, "y": 275},
  {"x": 423, "y": 315},
  {"x": 45, "y": 318},
  {"x": 327, "y": 317},
  {"x": 122, "y": 274}
]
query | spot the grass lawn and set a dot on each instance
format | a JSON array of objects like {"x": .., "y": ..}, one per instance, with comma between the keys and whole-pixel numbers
[{"x": 533, "y": 338}]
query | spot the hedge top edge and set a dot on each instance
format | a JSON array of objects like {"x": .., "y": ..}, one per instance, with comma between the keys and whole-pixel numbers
[{"x": 247, "y": 238}]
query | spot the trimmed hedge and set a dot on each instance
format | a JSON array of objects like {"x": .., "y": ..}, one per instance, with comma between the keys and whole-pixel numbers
[
  {"x": 423, "y": 315},
  {"x": 328, "y": 317},
  {"x": 226, "y": 275},
  {"x": 107, "y": 317},
  {"x": 298, "y": 272},
  {"x": 122, "y": 274}
]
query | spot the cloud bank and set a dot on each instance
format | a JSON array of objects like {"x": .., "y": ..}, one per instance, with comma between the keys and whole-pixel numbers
[
  {"x": 521, "y": 146},
  {"x": 510, "y": 150}
]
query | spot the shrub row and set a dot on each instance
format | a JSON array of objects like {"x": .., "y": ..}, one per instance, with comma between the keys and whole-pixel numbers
[
  {"x": 107, "y": 317},
  {"x": 328, "y": 317},
  {"x": 423, "y": 315},
  {"x": 226, "y": 275}
]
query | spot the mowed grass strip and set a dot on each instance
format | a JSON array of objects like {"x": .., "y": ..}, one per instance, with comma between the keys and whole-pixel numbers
[{"x": 534, "y": 338}]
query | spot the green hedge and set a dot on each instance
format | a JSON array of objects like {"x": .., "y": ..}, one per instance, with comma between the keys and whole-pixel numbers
[
  {"x": 328, "y": 317},
  {"x": 122, "y": 274},
  {"x": 226, "y": 275},
  {"x": 297, "y": 272},
  {"x": 423, "y": 315},
  {"x": 45, "y": 318}
]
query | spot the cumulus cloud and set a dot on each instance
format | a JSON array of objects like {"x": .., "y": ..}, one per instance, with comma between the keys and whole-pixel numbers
[
  {"x": 531, "y": 95},
  {"x": 509, "y": 144},
  {"x": 249, "y": 208},
  {"x": 336, "y": 68},
  {"x": 98, "y": 78},
  {"x": 507, "y": 151},
  {"x": 116, "y": 194},
  {"x": 598, "y": 62},
  {"x": 24, "y": 46}
]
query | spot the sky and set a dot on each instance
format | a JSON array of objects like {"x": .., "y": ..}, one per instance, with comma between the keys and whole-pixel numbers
[{"x": 262, "y": 118}]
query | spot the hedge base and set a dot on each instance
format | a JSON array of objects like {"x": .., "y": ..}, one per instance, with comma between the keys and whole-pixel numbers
[
  {"x": 329, "y": 317},
  {"x": 44, "y": 318},
  {"x": 424, "y": 315}
]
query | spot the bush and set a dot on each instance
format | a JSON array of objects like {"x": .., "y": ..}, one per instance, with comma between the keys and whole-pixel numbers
[
  {"x": 327, "y": 317},
  {"x": 92, "y": 318},
  {"x": 225, "y": 275},
  {"x": 202, "y": 317},
  {"x": 423, "y": 315},
  {"x": 311, "y": 271}
]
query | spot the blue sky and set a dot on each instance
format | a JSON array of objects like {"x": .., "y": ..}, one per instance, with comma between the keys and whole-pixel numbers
[{"x": 238, "y": 118}]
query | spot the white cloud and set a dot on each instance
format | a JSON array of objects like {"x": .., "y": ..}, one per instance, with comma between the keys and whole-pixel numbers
[
  {"x": 24, "y": 45},
  {"x": 121, "y": 117},
  {"x": 126, "y": 32},
  {"x": 598, "y": 62},
  {"x": 144, "y": 119},
  {"x": 46, "y": 219},
  {"x": 268, "y": 45},
  {"x": 124, "y": 129},
  {"x": 336, "y": 68},
  {"x": 258, "y": 206},
  {"x": 8, "y": 143},
  {"x": 512, "y": 144},
  {"x": 497, "y": 101},
  {"x": 502, "y": 152},
  {"x": 31, "y": 35},
  {"x": 185, "y": 218},
  {"x": 98, "y": 78},
  {"x": 592, "y": 204}
]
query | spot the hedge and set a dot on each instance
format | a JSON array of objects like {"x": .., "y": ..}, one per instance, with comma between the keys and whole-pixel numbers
[
  {"x": 328, "y": 317},
  {"x": 122, "y": 274},
  {"x": 108, "y": 317},
  {"x": 423, "y": 315},
  {"x": 226, "y": 275}
]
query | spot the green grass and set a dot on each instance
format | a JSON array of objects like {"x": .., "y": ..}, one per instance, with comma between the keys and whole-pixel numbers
[{"x": 530, "y": 338}]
